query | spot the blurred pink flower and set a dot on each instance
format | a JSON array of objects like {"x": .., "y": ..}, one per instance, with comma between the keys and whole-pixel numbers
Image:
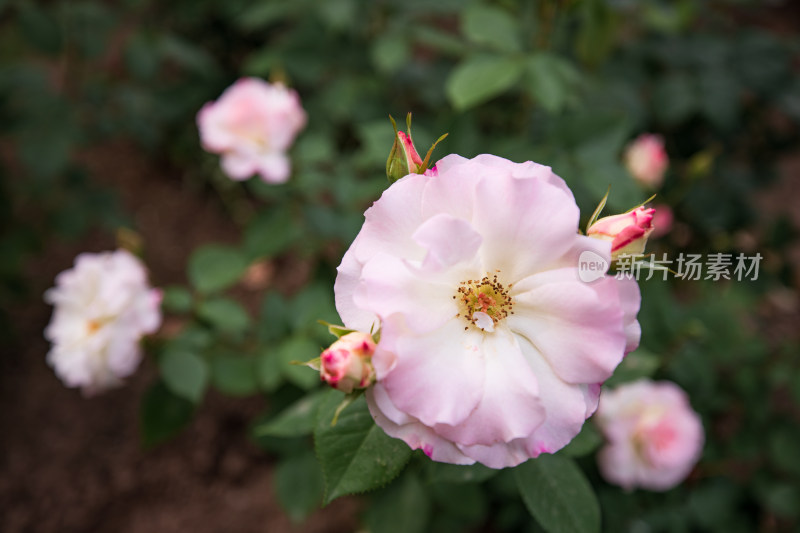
[
  {"x": 103, "y": 306},
  {"x": 647, "y": 160},
  {"x": 662, "y": 220},
  {"x": 252, "y": 125},
  {"x": 654, "y": 436},
  {"x": 627, "y": 232},
  {"x": 491, "y": 347},
  {"x": 345, "y": 364}
]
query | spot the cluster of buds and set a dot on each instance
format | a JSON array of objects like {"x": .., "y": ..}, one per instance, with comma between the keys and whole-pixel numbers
[{"x": 347, "y": 363}]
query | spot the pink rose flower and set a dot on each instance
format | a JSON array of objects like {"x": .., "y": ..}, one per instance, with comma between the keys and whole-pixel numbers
[
  {"x": 491, "y": 347},
  {"x": 647, "y": 160},
  {"x": 662, "y": 220},
  {"x": 654, "y": 436},
  {"x": 346, "y": 365},
  {"x": 252, "y": 125},
  {"x": 627, "y": 232},
  {"x": 103, "y": 306}
]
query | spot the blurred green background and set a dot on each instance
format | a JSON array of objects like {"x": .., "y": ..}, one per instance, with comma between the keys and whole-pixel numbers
[{"x": 97, "y": 117}]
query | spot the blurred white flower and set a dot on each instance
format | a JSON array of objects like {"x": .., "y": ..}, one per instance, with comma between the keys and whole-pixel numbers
[{"x": 103, "y": 306}]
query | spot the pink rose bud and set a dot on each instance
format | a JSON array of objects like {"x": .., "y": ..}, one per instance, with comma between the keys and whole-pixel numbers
[
  {"x": 662, "y": 220},
  {"x": 654, "y": 437},
  {"x": 346, "y": 364},
  {"x": 252, "y": 125},
  {"x": 404, "y": 158},
  {"x": 647, "y": 160},
  {"x": 627, "y": 232}
]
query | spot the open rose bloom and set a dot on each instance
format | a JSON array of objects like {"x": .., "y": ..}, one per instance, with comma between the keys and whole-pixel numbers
[
  {"x": 103, "y": 306},
  {"x": 252, "y": 125},
  {"x": 654, "y": 436},
  {"x": 492, "y": 349}
]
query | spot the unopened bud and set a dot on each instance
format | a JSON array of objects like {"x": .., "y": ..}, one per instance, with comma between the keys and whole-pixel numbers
[
  {"x": 346, "y": 364},
  {"x": 404, "y": 158},
  {"x": 627, "y": 232}
]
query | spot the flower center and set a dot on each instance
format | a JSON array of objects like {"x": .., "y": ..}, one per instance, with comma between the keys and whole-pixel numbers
[{"x": 484, "y": 302}]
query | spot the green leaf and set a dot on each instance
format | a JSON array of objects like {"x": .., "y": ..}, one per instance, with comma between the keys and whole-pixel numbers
[
  {"x": 558, "y": 495},
  {"x": 447, "y": 473},
  {"x": 299, "y": 350},
  {"x": 194, "y": 338},
  {"x": 39, "y": 27},
  {"x": 356, "y": 455},
  {"x": 215, "y": 267},
  {"x": 234, "y": 375},
  {"x": 480, "y": 78},
  {"x": 299, "y": 485},
  {"x": 271, "y": 233},
  {"x": 163, "y": 414},
  {"x": 296, "y": 420},
  {"x": 177, "y": 299},
  {"x": 549, "y": 80},
  {"x": 584, "y": 443},
  {"x": 273, "y": 322},
  {"x": 185, "y": 373},
  {"x": 390, "y": 52},
  {"x": 636, "y": 365},
  {"x": 491, "y": 26},
  {"x": 675, "y": 98},
  {"x": 313, "y": 303},
  {"x": 464, "y": 500},
  {"x": 224, "y": 314},
  {"x": 404, "y": 507},
  {"x": 268, "y": 369}
]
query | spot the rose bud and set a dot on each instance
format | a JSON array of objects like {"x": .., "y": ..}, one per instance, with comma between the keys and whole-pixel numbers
[
  {"x": 627, "y": 232},
  {"x": 404, "y": 158},
  {"x": 346, "y": 364},
  {"x": 647, "y": 160}
]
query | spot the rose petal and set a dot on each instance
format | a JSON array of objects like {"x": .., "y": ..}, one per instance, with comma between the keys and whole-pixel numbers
[{"x": 576, "y": 326}]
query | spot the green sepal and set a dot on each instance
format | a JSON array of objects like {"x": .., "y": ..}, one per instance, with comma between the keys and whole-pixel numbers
[
  {"x": 336, "y": 331},
  {"x": 599, "y": 210},
  {"x": 641, "y": 204}
]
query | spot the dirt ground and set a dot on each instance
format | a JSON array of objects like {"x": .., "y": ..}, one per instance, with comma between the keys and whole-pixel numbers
[{"x": 72, "y": 464}]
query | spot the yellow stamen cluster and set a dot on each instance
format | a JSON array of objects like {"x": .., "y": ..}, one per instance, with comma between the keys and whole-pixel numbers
[{"x": 486, "y": 295}]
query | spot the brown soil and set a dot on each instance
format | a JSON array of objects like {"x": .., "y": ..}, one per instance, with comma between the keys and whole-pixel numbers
[{"x": 72, "y": 464}]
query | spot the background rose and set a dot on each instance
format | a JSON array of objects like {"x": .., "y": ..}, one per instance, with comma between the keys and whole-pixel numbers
[
  {"x": 252, "y": 125},
  {"x": 491, "y": 347},
  {"x": 103, "y": 306},
  {"x": 654, "y": 436},
  {"x": 647, "y": 160}
]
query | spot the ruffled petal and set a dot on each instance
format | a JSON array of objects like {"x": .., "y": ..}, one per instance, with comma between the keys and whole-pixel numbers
[
  {"x": 437, "y": 377},
  {"x": 416, "y": 435},
  {"x": 387, "y": 286},
  {"x": 347, "y": 278},
  {"x": 576, "y": 326},
  {"x": 510, "y": 406},
  {"x": 448, "y": 241}
]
